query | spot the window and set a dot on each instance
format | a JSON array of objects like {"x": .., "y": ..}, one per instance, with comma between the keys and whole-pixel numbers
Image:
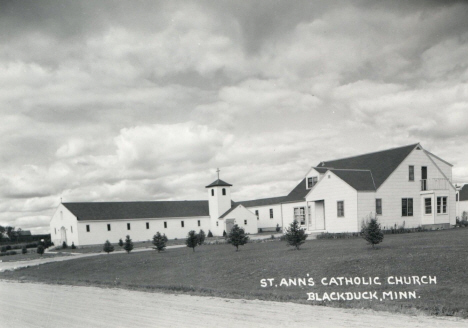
[
  {"x": 108, "y": 227},
  {"x": 407, "y": 207},
  {"x": 411, "y": 173},
  {"x": 224, "y": 191},
  {"x": 378, "y": 206},
  {"x": 245, "y": 222},
  {"x": 311, "y": 182},
  {"x": 428, "y": 205},
  {"x": 212, "y": 192},
  {"x": 182, "y": 224},
  {"x": 256, "y": 213},
  {"x": 147, "y": 225},
  {"x": 128, "y": 226},
  {"x": 165, "y": 225},
  {"x": 198, "y": 222},
  {"x": 340, "y": 208},
  {"x": 299, "y": 215},
  {"x": 216, "y": 223},
  {"x": 441, "y": 205},
  {"x": 71, "y": 229},
  {"x": 87, "y": 228},
  {"x": 271, "y": 213},
  {"x": 55, "y": 230}
]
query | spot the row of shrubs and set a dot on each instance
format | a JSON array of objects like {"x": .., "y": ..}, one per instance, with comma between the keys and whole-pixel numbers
[
  {"x": 461, "y": 223},
  {"x": 348, "y": 235}
]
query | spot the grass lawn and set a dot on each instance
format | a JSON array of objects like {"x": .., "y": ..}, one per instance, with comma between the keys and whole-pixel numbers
[
  {"x": 220, "y": 271},
  {"x": 27, "y": 257}
]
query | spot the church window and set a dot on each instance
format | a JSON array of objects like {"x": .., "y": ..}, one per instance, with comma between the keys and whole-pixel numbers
[
  {"x": 87, "y": 228},
  {"x": 182, "y": 224},
  {"x": 224, "y": 191},
  {"x": 212, "y": 192},
  {"x": 245, "y": 222},
  {"x": 256, "y": 213},
  {"x": 216, "y": 223},
  {"x": 271, "y": 213},
  {"x": 165, "y": 225},
  {"x": 198, "y": 222},
  {"x": 71, "y": 229},
  {"x": 108, "y": 227},
  {"x": 147, "y": 225},
  {"x": 128, "y": 226}
]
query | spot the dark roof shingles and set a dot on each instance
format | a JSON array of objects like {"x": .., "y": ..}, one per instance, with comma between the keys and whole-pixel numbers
[
  {"x": 463, "y": 193},
  {"x": 137, "y": 210},
  {"x": 360, "y": 180},
  {"x": 219, "y": 183}
]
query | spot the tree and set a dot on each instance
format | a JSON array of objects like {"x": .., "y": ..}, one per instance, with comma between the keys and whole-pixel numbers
[
  {"x": 371, "y": 231},
  {"x": 128, "y": 246},
  {"x": 159, "y": 241},
  {"x": 24, "y": 250},
  {"x": 10, "y": 231},
  {"x": 191, "y": 240},
  {"x": 237, "y": 237},
  {"x": 108, "y": 248},
  {"x": 295, "y": 235},
  {"x": 121, "y": 243},
  {"x": 40, "y": 250},
  {"x": 201, "y": 237},
  {"x": 210, "y": 234}
]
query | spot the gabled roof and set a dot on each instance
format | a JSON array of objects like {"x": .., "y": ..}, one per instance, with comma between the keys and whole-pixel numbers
[
  {"x": 218, "y": 183},
  {"x": 381, "y": 163},
  {"x": 463, "y": 194},
  {"x": 262, "y": 202},
  {"x": 137, "y": 210},
  {"x": 229, "y": 211},
  {"x": 320, "y": 169},
  {"x": 360, "y": 180},
  {"x": 298, "y": 193}
]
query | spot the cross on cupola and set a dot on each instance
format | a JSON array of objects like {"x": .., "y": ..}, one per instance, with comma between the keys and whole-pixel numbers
[{"x": 217, "y": 171}]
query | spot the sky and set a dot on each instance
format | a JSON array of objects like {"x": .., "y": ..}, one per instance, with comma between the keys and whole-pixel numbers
[{"x": 143, "y": 100}]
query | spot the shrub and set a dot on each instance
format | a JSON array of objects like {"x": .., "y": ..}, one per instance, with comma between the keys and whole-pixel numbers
[
  {"x": 128, "y": 246},
  {"x": 40, "y": 250},
  {"x": 159, "y": 241},
  {"x": 295, "y": 235},
  {"x": 24, "y": 250},
  {"x": 237, "y": 237},
  {"x": 32, "y": 245},
  {"x": 371, "y": 231},
  {"x": 260, "y": 230},
  {"x": 278, "y": 228},
  {"x": 210, "y": 234},
  {"x": 64, "y": 245},
  {"x": 3, "y": 249},
  {"x": 192, "y": 240},
  {"x": 73, "y": 245},
  {"x": 108, "y": 248},
  {"x": 121, "y": 243},
  {"x": 224, "y": 233},
  {"x": 8, "y": 247},
  {"x": 201, "y": 237}
]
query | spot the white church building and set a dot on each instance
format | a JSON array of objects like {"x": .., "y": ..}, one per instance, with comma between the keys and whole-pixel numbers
[{"x": 406, "y": 186}]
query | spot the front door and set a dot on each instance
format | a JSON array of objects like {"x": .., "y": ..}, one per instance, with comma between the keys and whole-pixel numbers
[
  {"x": 320, "y": 215},
  {"x": 63, "y": 235},
  {"x": 229, "y": 225}
]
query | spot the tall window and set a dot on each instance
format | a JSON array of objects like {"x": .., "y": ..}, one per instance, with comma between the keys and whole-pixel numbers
[
  {"x": 256, "y": 213},
  {"x": 407, "y": 207},
  {"x": 299, "y": 215},
  {"x": 87, "y": 228},
  {"x": 441, "y": 205},
  {"x": 340, "y": 208},
  {"x": 428, "y": 205},
  {"x": 128, "y": 226},
  {"x": 198, "y": 222},
  {"x": 245, "y": 222},
  {"x": 147, "y": 225},
  {"x": 108, "y": 227},
  {"x": 271, "y": 213},
  {"x": 182, "y": 224},
  {"x": 71, "y": 229},
  {"x": 165, "y": 225},
  {"x": 311, "y": 182},
  {"x": 378, "y": 206},
  {"x": 212, "y": 192},
  {"x": 224, "y": 191},
  {"x": 411, "y": 173}
]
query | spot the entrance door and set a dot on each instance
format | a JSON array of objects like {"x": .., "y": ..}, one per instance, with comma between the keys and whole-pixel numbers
[
  {"x": 229, "y": 225},
  {"x": 63, "y": 235},
  {"x": 320, "y": 215}
]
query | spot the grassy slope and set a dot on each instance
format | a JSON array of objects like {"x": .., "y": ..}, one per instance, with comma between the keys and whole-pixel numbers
[{"x": 219, "y": 270}]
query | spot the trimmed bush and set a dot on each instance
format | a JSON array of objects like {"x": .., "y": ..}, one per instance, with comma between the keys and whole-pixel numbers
[
  {"x": 210, "y": 234},
  {"x": 278, "y": 228},
  {"x": 40, "y": 250},
  {"x": 128, "y": 246},
  {"x": 64, "y": 245},
  {"x": 108, "y": 248},
  {"x": 121, "y": 243},
  {"x": 73, "y": 245}
]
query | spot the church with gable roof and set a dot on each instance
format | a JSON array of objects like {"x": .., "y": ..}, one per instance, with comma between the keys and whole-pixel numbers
[{"x": 403, "y": 187}]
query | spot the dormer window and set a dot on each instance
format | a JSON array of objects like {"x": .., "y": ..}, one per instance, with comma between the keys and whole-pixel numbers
[
  {"x": 311, "y": 181},
  {"x": 224, "y": 191}
]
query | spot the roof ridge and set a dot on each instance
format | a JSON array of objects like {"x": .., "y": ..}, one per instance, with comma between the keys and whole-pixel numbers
[
  {"x": 137, "y": 201},
  {"x": 332, "y": 169},
  {"x": 373, "y": 152}
]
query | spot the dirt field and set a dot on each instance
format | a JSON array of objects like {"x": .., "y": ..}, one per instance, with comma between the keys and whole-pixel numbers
[{"x": 40, "y": 305}]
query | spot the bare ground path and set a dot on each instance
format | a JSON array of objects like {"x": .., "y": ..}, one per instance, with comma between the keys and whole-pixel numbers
[{"x": 40, "y": 305}]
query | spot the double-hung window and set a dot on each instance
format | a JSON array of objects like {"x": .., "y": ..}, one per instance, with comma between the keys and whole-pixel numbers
[
  {"x": 312, "y": 181},
  {"x": 411, "y": 173},
  {"x": 299, "y": 215},
  {"x": 427, "y": 205},
  {"x": 340, "y": 208},
  {"x": 407, "y": 207},
  {"x": 441, "y": 205},
  {"x": 378, "y": 206}
]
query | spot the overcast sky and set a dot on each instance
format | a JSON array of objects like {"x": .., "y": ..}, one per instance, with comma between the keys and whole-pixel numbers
[{"x": 143, "y": 100}]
